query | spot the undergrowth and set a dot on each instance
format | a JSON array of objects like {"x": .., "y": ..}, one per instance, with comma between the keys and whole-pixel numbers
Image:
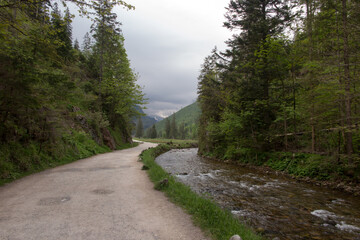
[
  {"x": 219, "y": 223},
  {"x": 19, "y": 160},
  {"x": 315, "y": 166}
]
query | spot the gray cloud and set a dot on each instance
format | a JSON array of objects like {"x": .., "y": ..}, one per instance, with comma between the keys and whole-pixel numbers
[{"x": 166, "y": 42}]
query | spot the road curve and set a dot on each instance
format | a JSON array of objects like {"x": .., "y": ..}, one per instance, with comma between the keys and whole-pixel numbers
[{"x": 103, "y": 197}]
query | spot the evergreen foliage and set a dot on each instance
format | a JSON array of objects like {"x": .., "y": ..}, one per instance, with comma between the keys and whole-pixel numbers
[
  {"x": 167, "y": 128},
  {"x": 54, "y": 98},
  {"x": 186, "y": 118},
  {"x": 173, "y": 128},
  {"x": 151, "y": 132},
  {"x": 139, "y": 129},
  {"x": 271, "y": 91}
]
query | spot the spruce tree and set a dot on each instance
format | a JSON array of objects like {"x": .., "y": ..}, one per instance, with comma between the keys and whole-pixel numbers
[
  {"x": 86, "y": 46},
  {"x": 167, "y": 128},
  {"x": 182, "y": 131},
  {"x": 116, "y": 88},
  {"x": 173, "y": 128},
  {"x": 76, "y": 45},
  {"x": 139, "y": 128},
  {"x": 153, "y": 133},
  {"x": 62, "y": 31}
]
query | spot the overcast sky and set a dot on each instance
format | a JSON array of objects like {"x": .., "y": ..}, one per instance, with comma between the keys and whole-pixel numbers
[{"x": 166, "y": 42}]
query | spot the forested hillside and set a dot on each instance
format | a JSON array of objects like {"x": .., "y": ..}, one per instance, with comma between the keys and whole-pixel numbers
[
  {"x": 288, "y": 82},
  {"x": 59, "y": 101},
  {"x": 181, "y": 125},
  {"x": 146, "y": 120}
]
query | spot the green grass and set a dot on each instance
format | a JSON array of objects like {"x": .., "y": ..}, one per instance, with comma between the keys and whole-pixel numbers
[
  {"x": 161, "y": 140},
  {"x": 17, "y": 161},
  {"x": 314, "y": 166},
  {"x": 220, "y": 224}
]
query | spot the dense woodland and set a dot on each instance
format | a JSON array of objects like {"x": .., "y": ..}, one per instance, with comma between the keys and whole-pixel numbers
[
  {"x": 288, "y": 81},
  {"x": 180, "y": 125},
  {"x": 59, "y": 99}
]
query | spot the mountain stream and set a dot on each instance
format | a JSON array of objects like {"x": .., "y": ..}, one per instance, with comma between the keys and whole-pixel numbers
[{"x": 275, "y": 206}]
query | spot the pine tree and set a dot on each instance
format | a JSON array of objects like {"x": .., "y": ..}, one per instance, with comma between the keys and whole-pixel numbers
[
  {"x": 87, "y": 45},
  {"x": 167, "y": 128},
  {"x": 153, "y": 133},
  {"x": 76, "y": 45},
  {"x": 62, "y": 31},
  {"x": 182, "y": 131},
  {"x": 173, "y": 128},
  {"x": 117, "y": 88},
  {"x": 139, "y": 128}
]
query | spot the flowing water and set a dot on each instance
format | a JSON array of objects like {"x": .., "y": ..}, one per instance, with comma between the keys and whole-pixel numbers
[{"x": 276, "y": 206}]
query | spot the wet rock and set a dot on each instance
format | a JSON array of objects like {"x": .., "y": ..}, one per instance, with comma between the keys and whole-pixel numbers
[
  {"x": 330, "y": 222},
  {"x": 235, "y": 237}
]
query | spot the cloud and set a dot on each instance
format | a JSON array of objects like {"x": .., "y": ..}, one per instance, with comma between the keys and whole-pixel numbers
[{"x": 166, "y": 42}]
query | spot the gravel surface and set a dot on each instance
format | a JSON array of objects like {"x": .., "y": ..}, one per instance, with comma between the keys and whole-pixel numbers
[{"x": 104, "y": 197}]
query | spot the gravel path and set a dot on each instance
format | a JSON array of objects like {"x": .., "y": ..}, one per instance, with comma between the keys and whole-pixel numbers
[{"x": 103, "y": 197}]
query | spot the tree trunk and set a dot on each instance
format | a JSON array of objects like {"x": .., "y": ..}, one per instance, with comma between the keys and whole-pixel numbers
[
  {"x": 347, "y": 81},
  {"x": 309, "y": 12}
]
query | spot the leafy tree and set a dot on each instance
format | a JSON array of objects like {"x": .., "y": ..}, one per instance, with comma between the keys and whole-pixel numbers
[
  {"x": 118, "y": 90},
  {"x": 51, "y": 101},
  {"x": 270, "y": 92}
]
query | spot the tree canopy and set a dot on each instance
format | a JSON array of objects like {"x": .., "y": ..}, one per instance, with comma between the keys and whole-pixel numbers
[{"x": 287, "y": 81}]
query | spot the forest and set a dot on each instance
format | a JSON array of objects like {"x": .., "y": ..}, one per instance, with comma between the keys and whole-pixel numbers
[
  {"x": 182, "y": 124},
  {"x": 60, "y": 101},
  {"x": 288, "y": 83}
]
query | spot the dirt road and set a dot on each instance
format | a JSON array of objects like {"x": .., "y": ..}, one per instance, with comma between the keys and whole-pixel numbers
[{"x": 103, "y": 197}]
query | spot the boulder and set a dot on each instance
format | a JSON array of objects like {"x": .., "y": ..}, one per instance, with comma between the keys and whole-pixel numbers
[
  {"x": 108, "y": 139},
  {"x": 235, "y": 237}
]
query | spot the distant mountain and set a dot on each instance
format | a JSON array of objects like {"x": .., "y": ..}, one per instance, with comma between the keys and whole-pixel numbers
[
  {"x": 157, "y": 118},
  {"x": 148, "y": 121},
  {"x": 188, "y": 115}
]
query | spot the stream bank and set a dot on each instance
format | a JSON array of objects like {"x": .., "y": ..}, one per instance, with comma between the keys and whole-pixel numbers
[{"x": 271, "y": 203}]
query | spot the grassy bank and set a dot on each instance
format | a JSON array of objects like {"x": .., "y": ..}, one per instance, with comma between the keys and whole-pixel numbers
[
  {"x": 19, "y": 160},
  {"x": 315, "y": 166},
  {"x": 162, "y": 140},
  {"x": 219, "y": 223},
  {"x": 339, "y": 172}
]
